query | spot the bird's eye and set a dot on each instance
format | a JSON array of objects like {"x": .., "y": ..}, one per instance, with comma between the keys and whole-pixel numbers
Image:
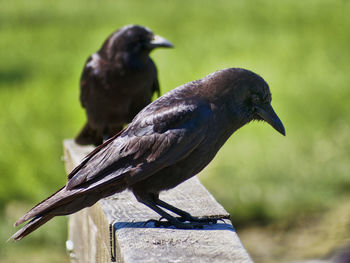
[{"x": 255, "y": 99}]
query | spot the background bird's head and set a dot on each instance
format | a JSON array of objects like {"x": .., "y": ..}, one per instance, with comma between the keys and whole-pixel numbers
[
  {"x": 134, "y": 40},
  {"x": 246, "y": 95}
]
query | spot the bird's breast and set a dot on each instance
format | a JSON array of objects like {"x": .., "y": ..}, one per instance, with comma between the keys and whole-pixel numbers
[{"x": 171, "y": 176}]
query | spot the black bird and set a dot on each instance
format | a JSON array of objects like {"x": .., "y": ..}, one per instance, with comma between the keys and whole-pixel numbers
[
  {"x": 168, "y": 142},
  {"x": 118, "y": 81}
]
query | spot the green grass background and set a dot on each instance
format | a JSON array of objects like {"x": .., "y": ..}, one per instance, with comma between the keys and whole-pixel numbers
[{"x": 301, "y": 48}]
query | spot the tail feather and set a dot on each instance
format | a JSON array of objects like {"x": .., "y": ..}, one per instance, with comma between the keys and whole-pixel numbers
[
  {"x": 30, "y": 227},
  {"x": 46, "y": 204},
  {"x": 67, "y": 201}
]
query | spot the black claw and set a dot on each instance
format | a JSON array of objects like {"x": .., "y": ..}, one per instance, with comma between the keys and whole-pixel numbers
[
  {"x": 182, "y": 225},
  {"x": 205, "y": 220},
  {"x": 184, "y": 222},
  {"x": 221, "y": 219},
  {"x": 159, "y": 222}
]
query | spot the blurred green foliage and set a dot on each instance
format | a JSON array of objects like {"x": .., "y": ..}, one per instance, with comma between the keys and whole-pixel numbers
[{"x": 301, "y": 48}]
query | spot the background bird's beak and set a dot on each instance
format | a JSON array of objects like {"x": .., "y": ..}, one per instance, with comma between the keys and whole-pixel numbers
[
  {"x": 158, "y": 41},
  {"x": 266, "y": 112}
]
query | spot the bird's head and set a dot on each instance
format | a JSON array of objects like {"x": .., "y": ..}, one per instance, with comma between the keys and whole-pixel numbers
[
  {"x": 135, "y": 39},
  {"x": 247, "y": 96}
]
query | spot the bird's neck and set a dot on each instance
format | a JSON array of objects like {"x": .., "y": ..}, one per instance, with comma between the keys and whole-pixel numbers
[
  {"x": 133, "y": 60},
  {"x": 228, "y": 121}
]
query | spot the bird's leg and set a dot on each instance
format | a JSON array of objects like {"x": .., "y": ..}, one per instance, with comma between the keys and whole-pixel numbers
[
  {"x": 185, "y": 221},
  {"x": 185, "y": 216},
  {"x": 172, "y": 221},
  {"x": 153, "y": 202}
]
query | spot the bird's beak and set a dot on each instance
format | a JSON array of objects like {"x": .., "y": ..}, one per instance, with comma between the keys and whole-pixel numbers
[
  {"x": 266, "y": 112},
  {"x": 158, "y": 41}
]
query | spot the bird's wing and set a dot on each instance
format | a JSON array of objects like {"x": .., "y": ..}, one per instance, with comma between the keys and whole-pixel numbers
[
  {"x": 85, "y": 81},
  {"x": 155, "y": 139},
  {"x": 155, "y": 86},
  {"x": 94, "y": 76}
]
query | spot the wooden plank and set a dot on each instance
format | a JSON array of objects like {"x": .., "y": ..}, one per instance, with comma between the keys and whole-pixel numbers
[{"x": 114, "y": 229}]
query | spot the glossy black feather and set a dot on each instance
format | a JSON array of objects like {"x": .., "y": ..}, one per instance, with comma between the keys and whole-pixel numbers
[
  {"x": 117, "y": 82},
  {"x": 169, "y": 141}
]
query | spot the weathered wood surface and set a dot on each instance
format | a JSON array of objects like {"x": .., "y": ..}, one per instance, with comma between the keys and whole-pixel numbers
[{"x": 114, "y": 229}]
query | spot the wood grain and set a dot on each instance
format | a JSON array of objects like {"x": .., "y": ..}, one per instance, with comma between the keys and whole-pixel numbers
[{"x": 115, "y": 228}]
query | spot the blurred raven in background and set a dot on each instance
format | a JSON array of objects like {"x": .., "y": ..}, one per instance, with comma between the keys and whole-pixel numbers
[
  {"x": 168, "y": 142},
  {"x": 118, "y": 81}
]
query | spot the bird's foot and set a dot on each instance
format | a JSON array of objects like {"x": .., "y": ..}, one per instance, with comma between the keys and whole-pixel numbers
[
  {"x": 155, "y": 222},
  {"x": 176, "y": 223},
  {"x": 203, "y": 220}
]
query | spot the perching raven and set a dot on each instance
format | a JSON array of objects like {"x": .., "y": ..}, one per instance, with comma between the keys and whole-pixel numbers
[
  {"x": 118, "y": 81},
  {"x": 168, "y": 142}
]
